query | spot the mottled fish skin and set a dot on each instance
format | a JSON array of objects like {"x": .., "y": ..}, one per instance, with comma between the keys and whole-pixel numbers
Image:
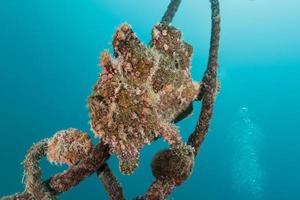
[{"x": 141, "y": 91}]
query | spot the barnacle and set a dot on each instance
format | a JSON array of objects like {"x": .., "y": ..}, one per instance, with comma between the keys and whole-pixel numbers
[
  {"x": 68, "y": 146},
  {"x": 141, "y": 91}
]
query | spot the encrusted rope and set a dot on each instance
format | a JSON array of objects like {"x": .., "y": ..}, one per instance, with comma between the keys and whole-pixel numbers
[
  {"x": 110, "y": 183},
  {"x": 209, "y": 82},
  {"x": 170, "y": 12}
]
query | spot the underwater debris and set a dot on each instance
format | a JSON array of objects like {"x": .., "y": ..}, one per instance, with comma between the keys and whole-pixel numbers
[
  {"x": 69, "y": 146},
  {"x": 141, "y": 92}
]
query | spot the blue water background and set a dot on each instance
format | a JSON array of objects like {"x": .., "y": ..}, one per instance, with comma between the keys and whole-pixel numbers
[{"x": 48, "y": 64}]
